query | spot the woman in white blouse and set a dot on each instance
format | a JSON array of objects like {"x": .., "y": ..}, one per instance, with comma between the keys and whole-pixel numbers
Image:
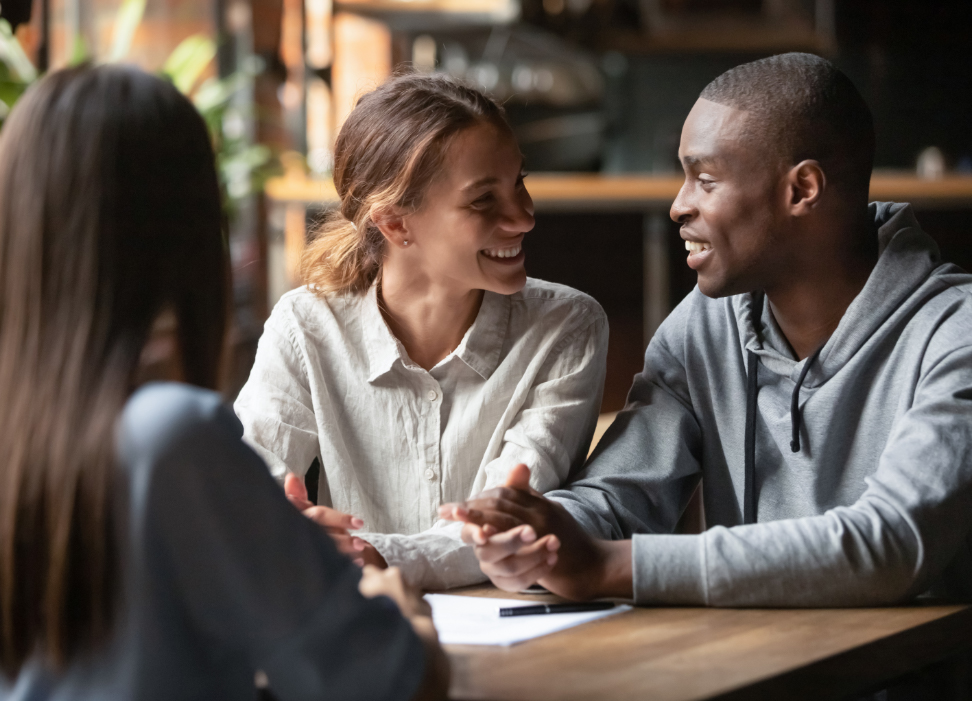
[{"x": 418, "y": 362}]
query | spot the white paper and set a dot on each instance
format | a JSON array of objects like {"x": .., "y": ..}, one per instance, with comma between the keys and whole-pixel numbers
[{"x": 475, "y": 620}]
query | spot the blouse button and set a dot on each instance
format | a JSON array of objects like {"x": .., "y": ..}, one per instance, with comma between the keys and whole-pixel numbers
[
  {"x": 432, "y": 396},
  {"x": 430, "y": 474}
]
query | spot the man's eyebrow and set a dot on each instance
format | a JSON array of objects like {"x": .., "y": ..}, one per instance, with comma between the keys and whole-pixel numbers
[{"x": 699, "y": 161}]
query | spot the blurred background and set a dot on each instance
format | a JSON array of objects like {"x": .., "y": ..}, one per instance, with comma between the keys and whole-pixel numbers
[{"x": 596, "y": 90}]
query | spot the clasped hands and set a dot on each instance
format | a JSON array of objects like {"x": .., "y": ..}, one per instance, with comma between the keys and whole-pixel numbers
[{"x": 522, "y": 538}]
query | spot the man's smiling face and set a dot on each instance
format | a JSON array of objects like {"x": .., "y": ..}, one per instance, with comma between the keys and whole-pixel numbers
[{"x": 732, "y": 202}]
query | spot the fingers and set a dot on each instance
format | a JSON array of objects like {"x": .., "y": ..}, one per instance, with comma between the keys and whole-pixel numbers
[
  {"x": 329, "y": 518},
  {"x": 504, "y": 545},
  {"x": 519, "y": 478},
  {"x": 524, "y": 559},
  {"x": 389, "y": 582},
  {"x": 498, "y": 521},
  {"x": 296, "y": 491},
  {"x": 526, "y": 579},
  {"x": 525, "y": 568},
  {"x": 349, "y": 545}
]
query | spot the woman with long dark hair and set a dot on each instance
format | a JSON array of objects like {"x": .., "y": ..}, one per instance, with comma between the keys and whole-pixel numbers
[{"x": 145, "y": 552}]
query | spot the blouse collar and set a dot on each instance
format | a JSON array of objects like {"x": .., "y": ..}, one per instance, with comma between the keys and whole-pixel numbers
[{"x": 480, "y": 348}]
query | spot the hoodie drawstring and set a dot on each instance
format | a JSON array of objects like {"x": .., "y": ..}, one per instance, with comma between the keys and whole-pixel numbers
[
  {"x": 752, "y": 392},
  {"x": 795, "y": 402}
]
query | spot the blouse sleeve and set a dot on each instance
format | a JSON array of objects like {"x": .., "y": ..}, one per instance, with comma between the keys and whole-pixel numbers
[
  {"x": 550, "y": 434},
  {"x": 275, "y": 405},
  {"x": 252, "y": 575}
]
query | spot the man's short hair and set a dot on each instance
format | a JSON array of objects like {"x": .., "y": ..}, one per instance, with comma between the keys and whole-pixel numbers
[{"x": 804, "y": 108}]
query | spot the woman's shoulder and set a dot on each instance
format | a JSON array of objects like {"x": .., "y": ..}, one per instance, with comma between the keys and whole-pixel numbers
[
  {"x": 539, "y": 297},
  {"x": 305, "y": 307},
  {"x": 161, "y": 418}
]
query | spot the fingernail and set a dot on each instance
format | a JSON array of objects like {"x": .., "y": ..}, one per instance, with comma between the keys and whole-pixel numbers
[
  {"x": 554, "y": 544},
  {"x": 356, "y": 522},
  {"x": 359, "y": 562},
  {"x": 551, "y": 559},
  {"x": 529, "y": 535},
  {"x": 358, "y": 544}
]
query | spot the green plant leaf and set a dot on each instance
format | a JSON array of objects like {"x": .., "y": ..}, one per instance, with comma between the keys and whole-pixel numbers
[
  {"x": 188, "y": 61},
  {"x": 79, "y": 51},
  {"x": 13, "y": 57},
  {"x": 11, "y": 91},
  {"x": 127, "y": 19},
  {"x": 213, "y": 94}
]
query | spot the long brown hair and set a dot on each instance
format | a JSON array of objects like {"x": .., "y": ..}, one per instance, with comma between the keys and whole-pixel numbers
[
  {"x": 386, "y": 155},
  {"x": 109, "y": 214}
]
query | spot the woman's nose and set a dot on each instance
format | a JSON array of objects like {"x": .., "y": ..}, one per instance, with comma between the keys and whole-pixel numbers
[{"x": 519, "y": 217}]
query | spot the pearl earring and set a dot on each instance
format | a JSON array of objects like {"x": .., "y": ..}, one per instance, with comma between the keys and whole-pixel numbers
[{"x": 405, "y": 242}]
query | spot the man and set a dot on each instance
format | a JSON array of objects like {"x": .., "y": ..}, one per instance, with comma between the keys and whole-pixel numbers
[{"x": 818, "y": 380}]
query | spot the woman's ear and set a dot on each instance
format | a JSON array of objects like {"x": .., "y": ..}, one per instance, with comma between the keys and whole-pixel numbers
[
  {"x": 393, "y": 226},
  {"x": 807, "y": 183}
]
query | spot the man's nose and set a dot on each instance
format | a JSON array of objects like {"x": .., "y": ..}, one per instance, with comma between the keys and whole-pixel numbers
[{"x": 682, "y": 210}]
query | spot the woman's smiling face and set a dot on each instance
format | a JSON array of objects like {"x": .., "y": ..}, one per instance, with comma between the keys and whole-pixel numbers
[{"x": 469, "y": 229}]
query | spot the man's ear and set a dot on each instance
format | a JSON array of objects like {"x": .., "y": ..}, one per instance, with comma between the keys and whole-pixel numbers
[
  {"x": 392, "y": 225},
  {"x": 806, "y": 183}
]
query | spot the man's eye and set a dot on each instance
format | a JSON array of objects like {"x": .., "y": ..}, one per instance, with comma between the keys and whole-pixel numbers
[{"x": 519, "y": 180}]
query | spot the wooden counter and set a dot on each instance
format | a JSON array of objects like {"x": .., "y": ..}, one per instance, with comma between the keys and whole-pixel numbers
[
  {"x": 610, "y": 193},
  {"x": 651, "y": 195},
  {"x": 682, "y": 654}
]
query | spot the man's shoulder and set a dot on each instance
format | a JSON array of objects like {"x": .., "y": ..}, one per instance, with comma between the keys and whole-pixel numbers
[
  {"x": 946, "y": 309},
  {"x": 699, "y": 314}
]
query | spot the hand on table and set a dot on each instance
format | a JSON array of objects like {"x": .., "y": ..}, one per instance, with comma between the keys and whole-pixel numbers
[
  {"x": 522, "y": 538},
  {"x": 336, "y": 524},
  {"x": 389, "y": 582}
]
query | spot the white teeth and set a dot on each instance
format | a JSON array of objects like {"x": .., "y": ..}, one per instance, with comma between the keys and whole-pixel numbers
[
  {"x": 502, "y": 252},
  {"x": 696, "y": 246}
]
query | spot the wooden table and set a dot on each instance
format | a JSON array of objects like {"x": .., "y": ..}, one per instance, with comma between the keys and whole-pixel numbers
[{"x": 677, "y": 654}]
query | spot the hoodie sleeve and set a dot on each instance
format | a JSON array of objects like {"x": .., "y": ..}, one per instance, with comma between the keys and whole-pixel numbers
[
  {"x": 888, "y": 546},
  {"x": 647, "y": 465}
]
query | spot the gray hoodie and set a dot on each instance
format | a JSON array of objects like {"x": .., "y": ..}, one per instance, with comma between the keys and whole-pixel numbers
[{"x": 875, "y": 505}]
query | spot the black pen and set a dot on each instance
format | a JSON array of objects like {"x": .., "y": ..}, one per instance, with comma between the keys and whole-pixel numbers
[{"x": 556, "y": 608}]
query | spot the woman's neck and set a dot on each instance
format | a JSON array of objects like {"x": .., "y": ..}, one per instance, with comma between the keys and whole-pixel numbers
[{"x": 429, "y": 318}]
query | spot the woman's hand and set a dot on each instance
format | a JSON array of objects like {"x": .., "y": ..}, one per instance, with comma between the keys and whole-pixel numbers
[
  {"x": 389, "y": 582},
  {"x": 336, "y": 524}
]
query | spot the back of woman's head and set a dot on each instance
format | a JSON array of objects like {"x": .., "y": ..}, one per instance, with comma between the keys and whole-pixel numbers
[
  {"x": 109, "y": 215},
  {"x": 386, "y": 155}
]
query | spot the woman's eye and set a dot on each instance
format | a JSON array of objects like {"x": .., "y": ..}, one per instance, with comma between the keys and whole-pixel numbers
[{"x": 482, "y": 202}]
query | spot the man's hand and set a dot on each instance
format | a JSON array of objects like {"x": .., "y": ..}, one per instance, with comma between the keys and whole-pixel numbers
[
  {"x": 521, "y": 538},
  {"x": 336, "y": 524}
]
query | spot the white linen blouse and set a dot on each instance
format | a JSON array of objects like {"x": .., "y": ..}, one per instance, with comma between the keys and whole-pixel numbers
[{"x": 395, "y": 441}]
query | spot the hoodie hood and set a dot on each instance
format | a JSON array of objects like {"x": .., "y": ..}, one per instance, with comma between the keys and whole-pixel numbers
[{"x": 906, "y": 258}]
